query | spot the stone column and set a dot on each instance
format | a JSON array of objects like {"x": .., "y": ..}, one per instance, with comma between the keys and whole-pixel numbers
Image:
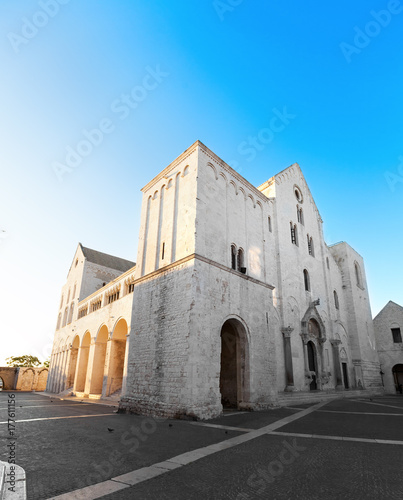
[
  {"x": 336, "y": 359},
  {"x": 289, "y": 372},
  {"x": 90, "y": 365},
  {"x": 79, "y": 375},
  {"x": 125, "y": 366},
  {"x": 305, "y": 339},
  {"x": 67, "y": 370},
  {"x": 51, "y": 375},
  {"x": 107, "y": 382}
]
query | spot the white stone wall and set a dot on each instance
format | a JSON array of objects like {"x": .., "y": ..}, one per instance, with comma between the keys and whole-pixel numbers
[
  {"x": 158, "y": 378},
  {"x": 390, "y": 353},
  {"x": 168, "y": 215},
  {"x": 360, "y": 328}
]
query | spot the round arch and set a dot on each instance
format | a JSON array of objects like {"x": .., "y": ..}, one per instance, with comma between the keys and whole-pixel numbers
[
  {"x": 71, "y": 373},
  {"x": 86, "y": 340},
  {"x": 397, "y": 372},
  {"x": 81, "y": 375},
  {"x": 117, "y": 357},
  {"x": 234, "y": 363},
  {"x": 120, "y": 329},
  {"x": 102, "y": 334},
  {"x": 98, "y": 365}
]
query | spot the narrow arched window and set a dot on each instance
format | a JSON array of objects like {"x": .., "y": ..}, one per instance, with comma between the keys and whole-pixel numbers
[
  {"x": 241, "y": 261},
  {"x": 233, "y": 257},
  {"x": 300, "y": 215},
  {"x": 358, "y": 275},
  {"x": 336, "y": 300},
  {"x": 71, "y": 313},
  {"x": 269, "y": 223},
  {"x": 327, "y": 262},
  {"x": 307, "y": 283},
  {"x": 59, "y": 320},
  {"x": 310, "y": 246},
  {"x": 294, "y": 234},
  {"x": 65, "y": 317}
]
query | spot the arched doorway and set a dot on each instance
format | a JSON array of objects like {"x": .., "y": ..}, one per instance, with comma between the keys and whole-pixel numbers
[
  {"x": 117, "y": 357},
  {"x": 312, "y": 364},
  {"x": 234, "y": 373},
  {"x": 397, "y": 371},
  {"x": 83, "y": 363},
  {"x": 97, "y": 376},
  {"x": 73, "y": 362}
]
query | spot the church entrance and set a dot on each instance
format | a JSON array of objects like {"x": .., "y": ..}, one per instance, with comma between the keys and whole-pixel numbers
[
  {"x": 312, "y": 365},
  {"x": 234, "y": 374},
  {"x": 397, "y": 371}
]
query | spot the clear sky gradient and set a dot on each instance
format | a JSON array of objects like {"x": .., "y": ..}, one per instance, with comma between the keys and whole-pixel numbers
[{"x": 217, "y": 71}]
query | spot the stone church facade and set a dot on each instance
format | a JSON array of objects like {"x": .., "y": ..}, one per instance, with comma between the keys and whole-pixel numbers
[{"x": 235, "y": 300}]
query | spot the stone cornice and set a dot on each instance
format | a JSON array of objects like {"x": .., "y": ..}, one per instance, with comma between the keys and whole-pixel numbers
[
  {"x": 231, "y": 171},
  {"x": 232, "y": 271},
  {"x": 171, "y": 166},
  {"x": 195, "y": 256}
]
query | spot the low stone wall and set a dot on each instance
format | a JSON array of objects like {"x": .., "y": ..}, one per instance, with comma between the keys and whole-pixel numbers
[
  {"x": 9, "y": 377},
  {"x": 24, "y": 379}
]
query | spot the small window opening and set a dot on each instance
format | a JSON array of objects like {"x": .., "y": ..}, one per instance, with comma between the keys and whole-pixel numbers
[
  {"x": 397, "y": 335},
  {"x": 336, "y": 300},
  {"x": 307, "y": 281},
  {"x": 233, "y": 257}
]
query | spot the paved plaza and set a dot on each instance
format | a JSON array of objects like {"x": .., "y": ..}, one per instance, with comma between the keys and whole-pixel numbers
[{"x": 343, "y": 449}]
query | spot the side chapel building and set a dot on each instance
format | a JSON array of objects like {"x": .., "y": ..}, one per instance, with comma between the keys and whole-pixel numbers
[{"x": 235, "y": 300}]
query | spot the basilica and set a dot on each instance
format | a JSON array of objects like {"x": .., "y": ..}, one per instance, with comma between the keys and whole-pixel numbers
[{"x": 235, "y": 301}]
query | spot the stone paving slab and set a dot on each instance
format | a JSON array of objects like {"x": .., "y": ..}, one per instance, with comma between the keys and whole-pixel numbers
[
  {"x": 344, "y": 424},
  {"x": 254, "y": 420},
  {"x": 261, "y": 469}
]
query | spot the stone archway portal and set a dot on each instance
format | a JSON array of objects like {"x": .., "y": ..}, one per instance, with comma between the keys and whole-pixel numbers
[{"x": 234, "y": 373}]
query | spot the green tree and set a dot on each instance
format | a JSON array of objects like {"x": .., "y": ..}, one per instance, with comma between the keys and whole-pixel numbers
[
  {"x": 46, "y": 363},
  {"x": 23, "y": 361}
]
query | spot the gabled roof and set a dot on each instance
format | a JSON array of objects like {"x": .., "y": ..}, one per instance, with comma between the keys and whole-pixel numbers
[
  {"x": 389, "y": 304},
  {"x": 106, "y": 260}
]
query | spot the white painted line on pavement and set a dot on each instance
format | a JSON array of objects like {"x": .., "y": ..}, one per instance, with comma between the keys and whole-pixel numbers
[
  {"x": 225, "y": 427},
  {"x": 362, "y": 413},
  {"x": 235, "y": 413},
  {"x": 377, "y": 404},
  {"x": 338, "y": 438},
  {"x": 46, "y": 406},
  {"x": 60, "y": 418}
]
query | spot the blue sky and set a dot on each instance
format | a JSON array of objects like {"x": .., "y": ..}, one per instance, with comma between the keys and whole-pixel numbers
[{"x": 217, "y": 71}]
